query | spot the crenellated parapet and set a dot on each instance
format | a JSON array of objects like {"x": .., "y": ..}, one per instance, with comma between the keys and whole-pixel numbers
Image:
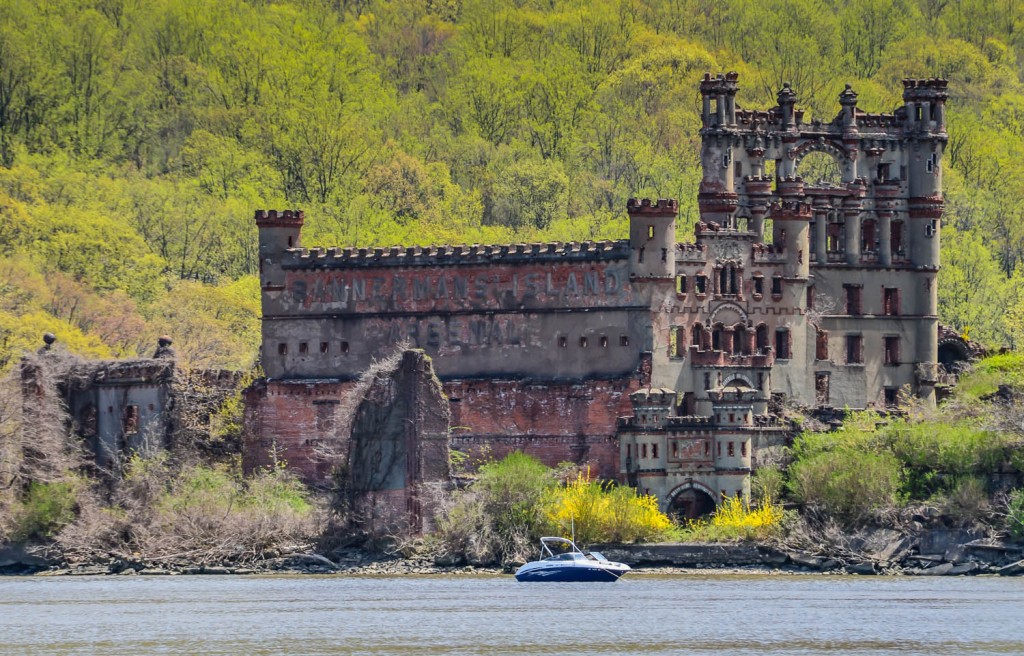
[{"x": 472, "y": 254}]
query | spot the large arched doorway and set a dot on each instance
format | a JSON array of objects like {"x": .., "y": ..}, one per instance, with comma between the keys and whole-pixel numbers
[
  {"x": 953, "y": 355},
  {"x": 691, "y": 501}
]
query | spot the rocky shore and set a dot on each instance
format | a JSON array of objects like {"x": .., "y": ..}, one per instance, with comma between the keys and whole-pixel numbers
[{"x": 936, "y": 552}]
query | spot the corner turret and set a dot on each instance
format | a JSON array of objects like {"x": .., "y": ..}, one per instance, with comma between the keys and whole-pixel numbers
[
  {"x": 652, "y": 237},
  {"x": 279, "y": 231}
]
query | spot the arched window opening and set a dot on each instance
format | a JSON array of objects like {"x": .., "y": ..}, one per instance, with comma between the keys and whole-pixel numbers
[
  {"x": 820, "y": 169},
  {"x": 716, "y": 337},
  {"x": 741, "y": 340}
]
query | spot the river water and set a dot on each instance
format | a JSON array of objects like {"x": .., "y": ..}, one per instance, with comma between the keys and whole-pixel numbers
[{"x": 641, "y": 614}]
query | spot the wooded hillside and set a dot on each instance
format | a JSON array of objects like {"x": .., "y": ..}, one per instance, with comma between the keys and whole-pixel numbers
[{"x": 137, "y": 137}]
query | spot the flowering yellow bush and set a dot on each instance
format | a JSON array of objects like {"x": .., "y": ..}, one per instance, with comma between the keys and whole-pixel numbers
[
  {"x": 734, "y": 519},
  {"x": 602, "y": 512}
]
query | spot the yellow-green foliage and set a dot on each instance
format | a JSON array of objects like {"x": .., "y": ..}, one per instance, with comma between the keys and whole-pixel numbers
[
  {"x": 44, "y": 510},
  {"x": 602, "y": 512},
  {"x": 986, "y": 376},
  {"x": 735, "y": 519},
  {"x": 127, "y": 182}
]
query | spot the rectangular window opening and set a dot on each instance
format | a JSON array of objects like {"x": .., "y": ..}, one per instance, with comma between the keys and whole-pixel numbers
[
  {"x": 131, "y": 419},
  {"x": 853, "y": 300},
  {"x": 303, "y": 347},
  {"x": 821, "y": 388},
  {"x": 782, "y": 344},
  {"x": 282, "y": 349},
  {"x": 604, "y": 341},
  {"x": 344, "y": 347},
  {"x": 325, "y": 347},
  {"x": 891, "y": 301},
  {"x": 892, "y": 350},
  {"x": 623, "y": 340},
  {"x": 854, "y": 349}
]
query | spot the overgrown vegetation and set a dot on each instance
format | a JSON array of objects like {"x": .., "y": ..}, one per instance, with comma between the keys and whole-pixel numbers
[
  {"x": 736, "y": 519},
  {"x": 516, "y": 500},
  {"x": 136, "y": 138},
  {"x": 956, "y": 458},
  {"x": 155, "y": 508}
]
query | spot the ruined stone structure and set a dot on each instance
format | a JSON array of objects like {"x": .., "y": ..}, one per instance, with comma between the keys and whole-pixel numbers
[
  {"x": 652, "y": 360},
  {"x": 121, "y": 407}
]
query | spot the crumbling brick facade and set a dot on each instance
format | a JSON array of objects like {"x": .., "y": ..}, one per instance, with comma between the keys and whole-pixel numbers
[{"x": 544, "y": 347}]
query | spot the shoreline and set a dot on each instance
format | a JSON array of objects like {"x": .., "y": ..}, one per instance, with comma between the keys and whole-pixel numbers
[{"x": 945, "y": 552}]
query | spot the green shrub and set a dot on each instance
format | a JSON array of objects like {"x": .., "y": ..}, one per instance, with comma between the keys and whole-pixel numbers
[
  {"x": 847, "y": 483},
  {"x": 499, "y": 517},
  {"x": 767, "y": 484},
  {"x": 45, "y": 509},
  {"x": 1015, "y": 515},
  {"x": 967, "y": 501},
  {"x": 939, "y": 454}
]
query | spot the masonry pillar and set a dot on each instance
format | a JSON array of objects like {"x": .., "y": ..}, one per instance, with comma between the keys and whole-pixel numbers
[
  {"x": 853, "y": 221},
  {"x": 821, "y": 233}
]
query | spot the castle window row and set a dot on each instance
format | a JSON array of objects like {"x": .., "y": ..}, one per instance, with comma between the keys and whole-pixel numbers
[
  {"x": 325, "y": 348},
  {"x": 855, "y": 348},
  {"x": 726, "y": 283},
  {"x": 855, "y": 300},
  {"x": 733, "y": 340},
  {"x": 584, "y": 341}
]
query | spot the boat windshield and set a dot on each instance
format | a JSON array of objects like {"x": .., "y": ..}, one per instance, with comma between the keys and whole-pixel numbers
[{"x": 566, "y": 556}]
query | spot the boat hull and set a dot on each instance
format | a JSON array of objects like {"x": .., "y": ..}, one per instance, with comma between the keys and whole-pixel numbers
[{"x": 568, "y": 574}]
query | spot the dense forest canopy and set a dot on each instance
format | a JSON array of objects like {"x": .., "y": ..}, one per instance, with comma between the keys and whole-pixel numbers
[{"x": 137, "y": 137}]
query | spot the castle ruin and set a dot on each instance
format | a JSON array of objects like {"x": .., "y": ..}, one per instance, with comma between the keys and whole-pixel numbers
[{"x": 657, "y": 363}]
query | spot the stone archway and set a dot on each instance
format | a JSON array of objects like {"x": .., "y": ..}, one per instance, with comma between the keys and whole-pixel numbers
[{"x": 690, "y": 501}]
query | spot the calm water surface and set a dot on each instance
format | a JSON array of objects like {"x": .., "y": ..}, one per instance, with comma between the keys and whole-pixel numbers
[{"x": 716, "y": 614}]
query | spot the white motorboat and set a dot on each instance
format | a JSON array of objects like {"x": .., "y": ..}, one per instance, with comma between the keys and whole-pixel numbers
[{"x": 569, "y": 564}]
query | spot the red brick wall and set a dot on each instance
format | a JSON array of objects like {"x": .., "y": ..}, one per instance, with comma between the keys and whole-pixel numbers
[
  {"x": 281, "y": 425},
  {"x": 554, "y": 422}
]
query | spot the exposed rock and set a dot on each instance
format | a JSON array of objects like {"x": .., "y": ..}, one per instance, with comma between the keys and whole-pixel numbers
[
  {"x": 805, "y": 560},
  {"x": 310, "y": 560},
  {"x": 1014, "y": 569},
  {"x": 941, "y": 569},
  {"x": 964, "y": 568},
  {"x": 15, "y": 559},
  {"x": 861, "y": 568},
  {"x": 940, "y": 540}
]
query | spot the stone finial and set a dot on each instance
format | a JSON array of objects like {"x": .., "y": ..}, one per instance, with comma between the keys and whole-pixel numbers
[
  {"x": 164, "y": 350},
  {"x": 49, "y": 339},
  {"x": 786, "y": 95}
]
